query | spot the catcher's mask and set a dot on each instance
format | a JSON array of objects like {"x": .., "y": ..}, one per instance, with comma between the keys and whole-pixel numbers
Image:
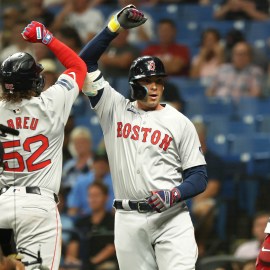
[
  {"x": 142, "y": 67},
  {"x": 20, "y": 72}
]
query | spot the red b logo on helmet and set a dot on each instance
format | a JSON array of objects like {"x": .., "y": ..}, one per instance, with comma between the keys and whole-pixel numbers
[{"x": 151, "y": 65}]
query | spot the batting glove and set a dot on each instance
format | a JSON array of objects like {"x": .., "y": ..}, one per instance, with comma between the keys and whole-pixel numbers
[
  {"x": 128, "y": 17},
  {"x": 162, "y": 200},
  {"x": 36, "y": 32}
]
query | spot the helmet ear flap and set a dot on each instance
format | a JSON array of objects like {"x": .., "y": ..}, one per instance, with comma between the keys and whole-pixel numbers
[
  {"x": 39, "y": 84},
  {"x": 138, "y": 92}
]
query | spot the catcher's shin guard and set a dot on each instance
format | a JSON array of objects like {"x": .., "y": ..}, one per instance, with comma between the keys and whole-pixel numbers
[{"x": 263, "y": 259}]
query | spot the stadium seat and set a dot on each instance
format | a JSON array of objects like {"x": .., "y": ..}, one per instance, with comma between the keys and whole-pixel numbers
[
  {"x": 258, "y": 31},
  {"x": 188, "y": 88},
  {"x": 107, "y": 10},
  {"x": 164, "y": 11},
  {"x": 197, "y": 12},
  {"x": 218, "y": 145},
  {"x": 122, "y": 86},
  {"x": 252, "y": 106},
  {"x": 223, "y": 26},
  {"x": 217, "y": 106},
  {"x": 249, "y": 145},
  {"x": 206, "y": 107},
  {"x": 188, "y": 31},
  {"x": 220, "y": 124},
  {"x": 257, "y": 34},
  {"x": 263, "y": 123}
]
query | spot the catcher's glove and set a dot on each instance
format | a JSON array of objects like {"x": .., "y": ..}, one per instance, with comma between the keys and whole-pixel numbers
[{"x": 128, "y": 17}]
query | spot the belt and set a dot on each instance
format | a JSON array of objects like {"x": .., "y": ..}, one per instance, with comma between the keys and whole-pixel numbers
[
  {"x": 32, "y": 190},
  {"x": 128, "y": 205}
]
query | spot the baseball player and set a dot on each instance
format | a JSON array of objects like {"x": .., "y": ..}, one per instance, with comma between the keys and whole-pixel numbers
[
  {"x": 155, "y": 159},
  {"x": 263, "y": 259},
  {"x": 33, "y": 160}
]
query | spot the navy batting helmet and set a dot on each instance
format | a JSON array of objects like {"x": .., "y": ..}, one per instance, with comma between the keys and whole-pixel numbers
[
  {"x": 142, "y": 67},
  {"x": 20, "y": 72}
]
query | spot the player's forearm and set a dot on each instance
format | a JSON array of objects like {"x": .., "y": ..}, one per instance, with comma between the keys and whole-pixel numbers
[
  {"x": 211, "y": 191},
  {"x": 69, "y": 59},
  {"x": 93, "y": 50},
  {"x": 195, "y": 182},
  {"x": 257, "y": 15}
]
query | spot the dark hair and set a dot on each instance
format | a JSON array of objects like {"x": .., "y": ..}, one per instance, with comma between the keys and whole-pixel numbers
[
  {"x": 232, "y": 37},
  {"x": 213, "y": 31},
  {"x": 103, "y": 187},
  {"x": 17, "y": 97}
]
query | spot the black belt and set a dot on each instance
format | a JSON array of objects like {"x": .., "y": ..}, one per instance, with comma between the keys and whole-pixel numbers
[
  {"x": 32, "y": 190},
  {"x": 140, "y": 206}
]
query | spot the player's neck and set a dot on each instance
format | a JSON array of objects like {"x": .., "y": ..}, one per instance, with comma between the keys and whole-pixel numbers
[{"x": 146, "y": 108}]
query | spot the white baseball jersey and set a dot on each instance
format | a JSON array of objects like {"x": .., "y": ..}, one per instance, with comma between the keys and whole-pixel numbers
[
  {"x": 34, "y": 158},
  {"x": 147, "y": 150}
]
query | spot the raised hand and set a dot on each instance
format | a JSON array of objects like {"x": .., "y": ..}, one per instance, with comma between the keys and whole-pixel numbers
[
  {"x": 128, "y": 17},
  {"x": 36, "y": 32}
]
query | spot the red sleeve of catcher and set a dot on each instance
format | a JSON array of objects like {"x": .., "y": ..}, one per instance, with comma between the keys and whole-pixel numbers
[
  {"x": 76, "y": 68},
  {"x": 263, "y": 260}
]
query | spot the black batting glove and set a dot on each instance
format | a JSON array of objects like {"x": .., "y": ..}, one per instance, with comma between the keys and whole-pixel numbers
[{"x": 128, "y": 17}]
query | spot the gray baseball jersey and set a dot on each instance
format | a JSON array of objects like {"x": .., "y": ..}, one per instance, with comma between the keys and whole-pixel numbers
[
  {"x": 34, "y": 158},
  {"x": 146, "y": 150}
]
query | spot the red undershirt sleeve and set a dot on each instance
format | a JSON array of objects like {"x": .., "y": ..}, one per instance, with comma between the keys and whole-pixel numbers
[{"x": 76, "y": 68}]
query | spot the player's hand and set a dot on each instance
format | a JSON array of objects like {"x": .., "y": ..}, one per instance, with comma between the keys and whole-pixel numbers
[
  {"x": 36, "y": 32},
  {"x": 128, "y": 17},
  {"x": 163, "y": 199}
]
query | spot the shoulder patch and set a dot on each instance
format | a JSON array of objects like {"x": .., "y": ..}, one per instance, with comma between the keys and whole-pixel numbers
[{"x": 68, "y": 85}]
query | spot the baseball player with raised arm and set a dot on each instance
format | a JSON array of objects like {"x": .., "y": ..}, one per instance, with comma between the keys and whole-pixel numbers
[
  {"x": 155, "y": 159},
  {"x": 33, "y": 160},
  {"x": 263, "y": 259}
]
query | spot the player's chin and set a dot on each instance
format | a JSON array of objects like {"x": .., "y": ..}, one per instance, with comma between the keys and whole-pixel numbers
[
  {"x": 153, "y": 101},
  {"x": 152, "y": 105}
]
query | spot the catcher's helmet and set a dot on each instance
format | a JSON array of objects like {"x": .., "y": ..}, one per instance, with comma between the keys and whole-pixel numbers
[
  {"x": 142, "y": 67},
  {"x": 20, "y": 72}
]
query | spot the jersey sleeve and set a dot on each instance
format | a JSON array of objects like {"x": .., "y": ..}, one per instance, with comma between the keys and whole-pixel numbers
[
  {"x": 110, "y": 103},
  {"x": 62, "y": 95},
  {"x": 190, "y": 147}
]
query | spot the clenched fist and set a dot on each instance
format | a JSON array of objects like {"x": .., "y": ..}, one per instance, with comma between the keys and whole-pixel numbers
[
  {"x": 127, "y": 18},
  {"x": 36, "y": 32}
]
